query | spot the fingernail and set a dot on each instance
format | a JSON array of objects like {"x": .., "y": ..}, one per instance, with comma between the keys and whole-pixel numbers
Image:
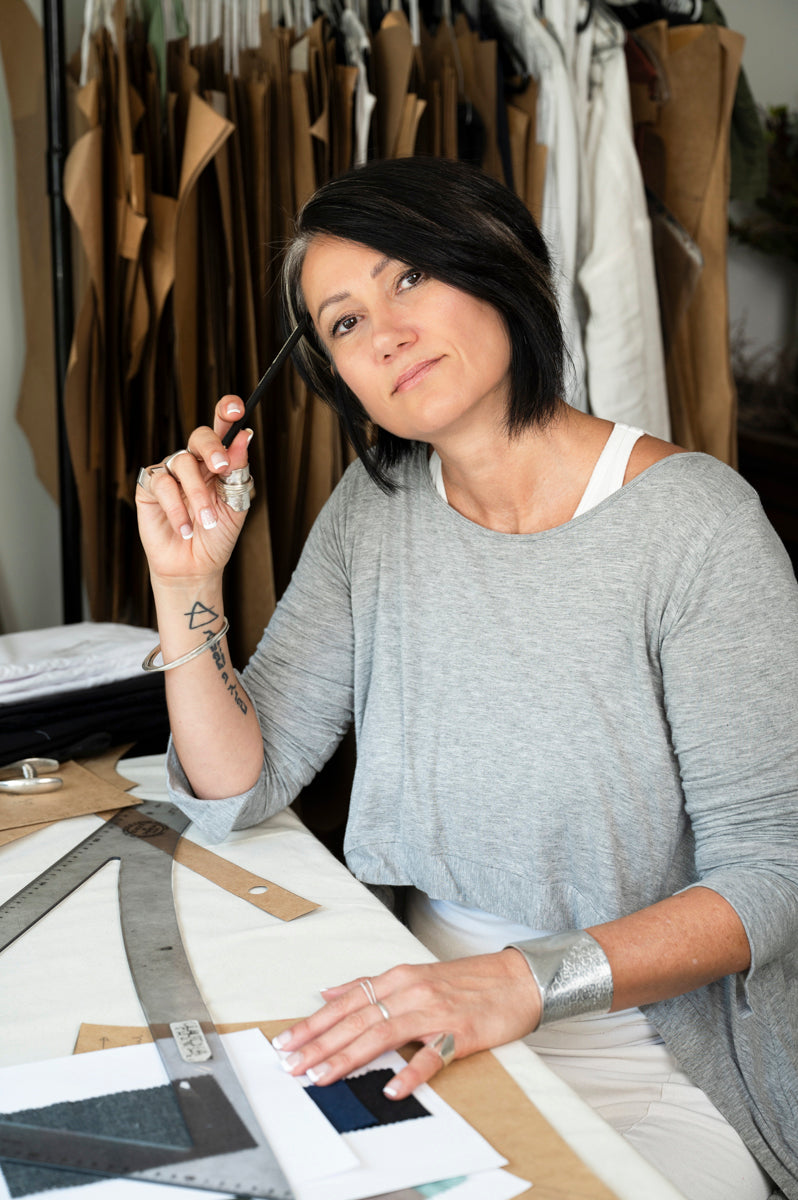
[
  {"x": 314, "y": 1074},
  {"x": 293, "y": 1060},
  {"x": 250, "y": 435},
  {"x": 218, "y": 461},
  {"x": 282, "y": 1039},
  {"x": 390, "y": 1090},
  {"x": 208, "y": 519},
  {"x": 186, "y": 532},
  {"x": 232, "y": 410}
]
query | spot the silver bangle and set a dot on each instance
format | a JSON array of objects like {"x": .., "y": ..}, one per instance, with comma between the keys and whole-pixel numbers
[
  {"x": 235, "y": 489},
  {"x": 149, "y": 663},
  {"x": 572, "y": 972}
]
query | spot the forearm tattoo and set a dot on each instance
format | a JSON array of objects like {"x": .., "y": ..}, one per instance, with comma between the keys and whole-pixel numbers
[{"x": 200, "y": 617}]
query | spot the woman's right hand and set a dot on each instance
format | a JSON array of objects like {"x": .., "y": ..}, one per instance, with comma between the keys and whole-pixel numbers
[{"x": 187, "y": 531}]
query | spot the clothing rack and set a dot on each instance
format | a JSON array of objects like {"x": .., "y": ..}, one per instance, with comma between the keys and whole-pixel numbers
[{"x": 63, "y": 315}]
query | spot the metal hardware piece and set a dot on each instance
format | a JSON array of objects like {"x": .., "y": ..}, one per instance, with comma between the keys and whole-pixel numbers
[{"x": 23, "y": 777}]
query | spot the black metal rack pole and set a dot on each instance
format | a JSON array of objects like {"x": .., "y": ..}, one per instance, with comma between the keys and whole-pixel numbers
[{"x": 63, "y": 315}]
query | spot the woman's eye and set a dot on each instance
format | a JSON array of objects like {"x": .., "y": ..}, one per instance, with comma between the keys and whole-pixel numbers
[
  {"x": 343, "y": 325},
  {"x": 410, "y": 279}
]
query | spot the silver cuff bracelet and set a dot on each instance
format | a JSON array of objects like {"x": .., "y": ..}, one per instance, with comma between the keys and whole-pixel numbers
[{"x": 572, "y": 972}]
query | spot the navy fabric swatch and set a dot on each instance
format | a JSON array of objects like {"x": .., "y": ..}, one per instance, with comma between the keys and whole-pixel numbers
[{"x": 341, "y": 1107}]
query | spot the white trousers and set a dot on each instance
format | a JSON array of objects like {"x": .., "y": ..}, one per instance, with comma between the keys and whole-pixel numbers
[{"x": 620, "y": 1066}]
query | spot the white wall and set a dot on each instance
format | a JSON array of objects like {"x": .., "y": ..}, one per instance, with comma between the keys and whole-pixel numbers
[{"x": 762, "y": 296}]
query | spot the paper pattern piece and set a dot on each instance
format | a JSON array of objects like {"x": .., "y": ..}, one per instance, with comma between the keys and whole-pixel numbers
[
  {"x": 269, "y": 897},
  {"x": 103, "y": 766},
  {"x": 82, "y": 792}
]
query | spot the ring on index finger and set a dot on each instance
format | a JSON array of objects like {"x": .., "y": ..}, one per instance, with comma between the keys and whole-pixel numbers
[
  {"x": 443, "y": 1045},
  {"x": 144, "y": 477},
  {"x": 167, "y": 462}
]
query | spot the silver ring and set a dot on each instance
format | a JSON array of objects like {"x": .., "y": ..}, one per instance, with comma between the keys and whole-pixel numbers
[
  {"x": 368, "y": 988},
  {"x": 235, "y": 489},
  {"x": 443, "y": 1045},
  {"x": 144, "y": 477},
  {"x": 167, "y": 462},
  {"x": 383, "y": 1010}
]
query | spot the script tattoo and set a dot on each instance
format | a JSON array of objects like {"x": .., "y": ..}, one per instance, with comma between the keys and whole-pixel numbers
[{"x": 232, "y": 686}]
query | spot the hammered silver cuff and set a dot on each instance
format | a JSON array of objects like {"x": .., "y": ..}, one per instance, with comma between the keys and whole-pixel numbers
[{"x": 572, "y": 972}]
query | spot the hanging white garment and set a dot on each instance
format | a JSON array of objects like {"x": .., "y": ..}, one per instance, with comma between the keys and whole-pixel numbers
[
  {"x": 356, "y": 44},
  {"x": 541, "y": 55},
  {"x": 620, "y": 307}
]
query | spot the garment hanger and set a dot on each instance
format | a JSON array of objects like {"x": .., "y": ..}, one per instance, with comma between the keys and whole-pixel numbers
[
  {"x": 582, "y": 24},
  {"x": 97, "y": 14}
]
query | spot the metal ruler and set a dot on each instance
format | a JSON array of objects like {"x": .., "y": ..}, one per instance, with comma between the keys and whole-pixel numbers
[{"x": 229, "y": 1152}]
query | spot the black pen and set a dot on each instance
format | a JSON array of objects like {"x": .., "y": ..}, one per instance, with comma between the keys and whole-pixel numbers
[{"x": 260, "y": 388}]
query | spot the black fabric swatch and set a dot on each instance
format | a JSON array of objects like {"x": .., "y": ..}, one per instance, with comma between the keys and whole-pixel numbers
[{"x": 368, "y": 1090}]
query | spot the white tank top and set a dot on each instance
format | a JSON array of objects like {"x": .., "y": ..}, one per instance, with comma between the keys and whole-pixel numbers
[{"x": 608, "y": 473}]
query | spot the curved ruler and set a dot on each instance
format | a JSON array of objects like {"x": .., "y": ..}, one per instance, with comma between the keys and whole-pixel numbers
[{"x": 229, "y": 1152}]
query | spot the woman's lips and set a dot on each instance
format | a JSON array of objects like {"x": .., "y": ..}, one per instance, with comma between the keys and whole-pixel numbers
[{"x": 414, "y": 374}]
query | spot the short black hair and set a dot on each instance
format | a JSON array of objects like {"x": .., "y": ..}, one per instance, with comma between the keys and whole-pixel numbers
[{"x": 457, "y": 225}]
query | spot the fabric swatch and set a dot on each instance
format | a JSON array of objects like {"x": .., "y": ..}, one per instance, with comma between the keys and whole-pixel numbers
[
  {"x": 359, "y": 1103},
  {"x": 341, "y": 1107},
  {"x": 148, "y": 1115}
]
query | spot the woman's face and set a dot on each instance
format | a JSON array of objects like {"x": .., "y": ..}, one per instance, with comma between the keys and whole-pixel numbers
[{"x": 426, "y": 360}]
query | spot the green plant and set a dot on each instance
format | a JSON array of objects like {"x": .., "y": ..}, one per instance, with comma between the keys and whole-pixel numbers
[{"x": 772, "y": 224}]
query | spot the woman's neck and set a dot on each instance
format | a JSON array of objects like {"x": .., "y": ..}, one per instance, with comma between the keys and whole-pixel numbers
[{"x": 527, "y": 483}]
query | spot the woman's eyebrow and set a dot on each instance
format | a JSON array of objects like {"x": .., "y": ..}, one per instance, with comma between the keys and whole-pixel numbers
[
  {"x": 331, "y": 300},
  {"x": 375, "y": 271}
]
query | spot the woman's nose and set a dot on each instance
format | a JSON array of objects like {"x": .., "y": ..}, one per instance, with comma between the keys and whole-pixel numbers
[{"x": 391, "y": 330}]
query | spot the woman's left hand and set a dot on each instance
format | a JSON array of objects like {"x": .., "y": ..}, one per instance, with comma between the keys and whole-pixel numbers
[{"x": 482, "y": 1001}]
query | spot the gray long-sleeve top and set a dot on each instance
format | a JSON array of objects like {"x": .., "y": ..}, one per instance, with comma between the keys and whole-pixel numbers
[{"x": 562, "y": 728}]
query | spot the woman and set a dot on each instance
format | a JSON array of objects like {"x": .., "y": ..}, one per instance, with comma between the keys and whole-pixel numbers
[{"x": 569, "y": 654}]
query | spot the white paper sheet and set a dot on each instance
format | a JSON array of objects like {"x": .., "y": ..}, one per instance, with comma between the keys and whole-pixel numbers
[
  {"x": 409, "y": 1152},
  {"x": 341, "y": 1167}
]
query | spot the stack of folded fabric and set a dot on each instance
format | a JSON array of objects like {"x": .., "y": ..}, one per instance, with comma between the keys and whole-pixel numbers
[{"x": 76, "y": 690}]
